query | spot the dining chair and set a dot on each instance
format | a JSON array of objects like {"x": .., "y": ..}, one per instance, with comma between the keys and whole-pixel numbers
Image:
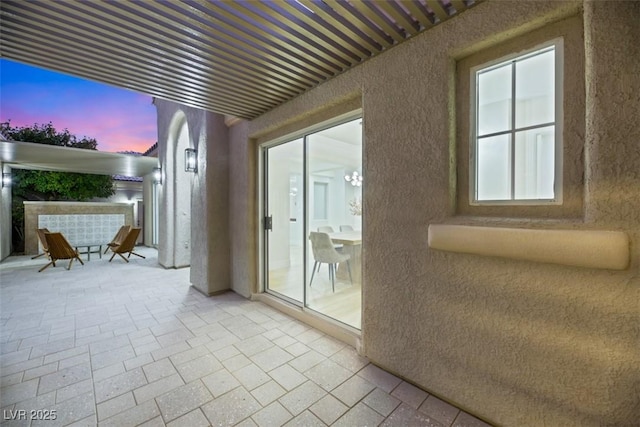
[
  {"x": 59, "y": 248},
  {"x": 324, "y": 252},
  {"x": 43, "y": 242},
  {"x": 329, "y": 229},
  {"x": 346, "y": 228},
  {"x": 325, "y": 229}
]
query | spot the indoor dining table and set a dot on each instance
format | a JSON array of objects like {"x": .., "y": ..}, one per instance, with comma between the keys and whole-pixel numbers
[{"x": 351, "y": 242}]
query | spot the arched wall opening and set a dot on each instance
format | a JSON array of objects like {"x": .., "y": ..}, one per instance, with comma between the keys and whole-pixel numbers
[
  {"x": 174, "y": 249},
  {"x": 182, "y": 197}
]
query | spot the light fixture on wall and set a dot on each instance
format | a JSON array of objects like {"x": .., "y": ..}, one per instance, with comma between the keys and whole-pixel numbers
[
  {"x": 157, "y": 175},
  {"x": 355, "y": 179},
  {"x": 190, "y": 160},
  {"x": 6, "y": 179}
]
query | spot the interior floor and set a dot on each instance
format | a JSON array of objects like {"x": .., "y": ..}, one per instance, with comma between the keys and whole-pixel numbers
[{"x": 344, "y": 305}]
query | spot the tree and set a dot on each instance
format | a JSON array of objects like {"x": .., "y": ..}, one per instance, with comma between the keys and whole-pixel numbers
[{"x": 49, "y": 186}]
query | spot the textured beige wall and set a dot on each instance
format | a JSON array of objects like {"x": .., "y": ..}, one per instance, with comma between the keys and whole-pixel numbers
[
  {"x": 243, "y": 213},
  {"x": 147, "y": 197},
  {"x": 212, "y": 225},
  {"x": 171, "y": 116},
  {"x": 5, "y": 218},
  {"x": 613, "y": 114},
  {"x": 515, "y": 342},
  {"x": 209, "y": 187},
  {"x": 33, "y": 209}
]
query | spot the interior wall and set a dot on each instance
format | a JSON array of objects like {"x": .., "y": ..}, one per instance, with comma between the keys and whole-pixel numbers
[{"x": 514, "y": 342}]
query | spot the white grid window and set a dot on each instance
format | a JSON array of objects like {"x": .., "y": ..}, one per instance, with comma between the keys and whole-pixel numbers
[{"x": 517, "y": 128}]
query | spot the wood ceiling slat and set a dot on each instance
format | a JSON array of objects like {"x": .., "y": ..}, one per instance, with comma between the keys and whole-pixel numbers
[
  {"x": 37, "y": 56},
  {"x": 329, "y": 15},
  {"x": 88, "y": 63},
  {"x": 220, "y": 90},
  {"x": 177, "y": 40},
  {"x": 362, "y": 23},
  {"x": 419, "y": 12},
  {"x": 287, "y": 20},
  {"x": 184, "y": 97},
  {"x": 293, "y": 15},
  {"x": 129, "y": 38},
  {"x": 458, "y": 5},
  {"x": 436, "y": 7},
  {"x": 222, "y": 31},
  {"x": 400, "y": 16},
  {"x": 143, "y": 61},
  {"x": 371, "y": 12},
  {"x": 288, "y": 54},
  {"x": 284, "y": 38}
]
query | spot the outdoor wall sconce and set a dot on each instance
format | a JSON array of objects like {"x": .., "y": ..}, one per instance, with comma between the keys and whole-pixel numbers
[
  {"x": 157, "y": 175},
  {"x": 355, "y": 179},
  {"x": 190, "y": 160},
  {"x": 6, "y": 179}
]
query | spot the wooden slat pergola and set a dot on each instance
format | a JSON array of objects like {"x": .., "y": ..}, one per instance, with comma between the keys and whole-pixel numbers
[{"x": 238, "y": 58}]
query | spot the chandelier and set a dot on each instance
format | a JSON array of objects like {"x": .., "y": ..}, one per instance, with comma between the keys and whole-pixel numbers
[{"x": 355, "y": 179}]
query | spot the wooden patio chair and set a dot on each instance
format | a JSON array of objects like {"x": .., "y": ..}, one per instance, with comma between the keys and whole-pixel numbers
[
  {"x": 118, "y": 238},
  {"x": 43, "y": 242},
  {"x": 59, "y": 248},
  {"x": 127, "y": 245}
]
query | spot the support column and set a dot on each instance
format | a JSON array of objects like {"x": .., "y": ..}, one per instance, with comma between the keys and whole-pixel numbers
[{"x": 210, "y": 238}]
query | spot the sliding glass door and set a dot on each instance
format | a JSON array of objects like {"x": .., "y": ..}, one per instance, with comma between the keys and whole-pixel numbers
[
  {"x": 313, "y": 218},
  {"x": 284, "y": 221}
]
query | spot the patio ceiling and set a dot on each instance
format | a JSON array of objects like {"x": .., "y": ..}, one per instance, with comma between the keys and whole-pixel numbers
[
  {"x": 238, "y": 58},
  {"x": 27, "y": 155}
]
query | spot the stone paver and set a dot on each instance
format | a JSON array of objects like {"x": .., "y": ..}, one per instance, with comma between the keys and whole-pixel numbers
[{"x": 134, "y": 344}]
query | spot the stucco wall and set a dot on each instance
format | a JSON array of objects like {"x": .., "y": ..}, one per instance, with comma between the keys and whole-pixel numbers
[
  {"x": 209, "y": 188},
  {"x": 243, "y": 214},
  {"x": 5, "y": 218},
  {"x": 514, "y": 342},
  {"x": 147, "y": 196},
  {"x": 171, "y": 253}
]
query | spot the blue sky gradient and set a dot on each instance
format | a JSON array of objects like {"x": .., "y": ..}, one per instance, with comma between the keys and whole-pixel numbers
[{"x": 119, "y": 119}]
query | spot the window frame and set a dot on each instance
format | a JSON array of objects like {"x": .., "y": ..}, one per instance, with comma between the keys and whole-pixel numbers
[{"x": 558, "y": 46}]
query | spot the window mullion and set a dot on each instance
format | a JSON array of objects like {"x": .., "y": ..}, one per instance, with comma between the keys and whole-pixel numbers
[{"x": 513, "y": 132}]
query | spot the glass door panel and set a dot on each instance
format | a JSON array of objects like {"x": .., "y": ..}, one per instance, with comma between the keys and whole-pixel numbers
[
  {"x": 284, "y": 204},
  {"x": 334, "y": 187}
]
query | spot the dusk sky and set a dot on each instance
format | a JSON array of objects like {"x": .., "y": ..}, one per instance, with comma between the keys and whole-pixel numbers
[{"x": 119, "y": 119}]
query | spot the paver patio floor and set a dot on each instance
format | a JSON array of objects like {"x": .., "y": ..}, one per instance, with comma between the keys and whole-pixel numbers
[{"x": 119, "y": 344}]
